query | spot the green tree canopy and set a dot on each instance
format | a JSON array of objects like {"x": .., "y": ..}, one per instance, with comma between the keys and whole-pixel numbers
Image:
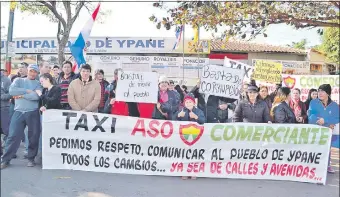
[
  {"x": 299, "y": 45},
  {"x": 330, "y": 44},
  {"x": 248, "y": 18}
]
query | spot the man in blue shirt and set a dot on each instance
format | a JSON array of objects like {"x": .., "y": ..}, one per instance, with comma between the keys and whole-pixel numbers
[
  {"x": 26, "y": 113},
  {"x": 324, "y": 112}
]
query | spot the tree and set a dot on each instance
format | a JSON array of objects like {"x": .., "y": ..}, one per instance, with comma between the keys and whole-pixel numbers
[
  {"x": 299, "y": 45},
  {"x": 330, "y": 44},
  {"x": 248, "y": 17},
  {"x": 65, "y": 13}
]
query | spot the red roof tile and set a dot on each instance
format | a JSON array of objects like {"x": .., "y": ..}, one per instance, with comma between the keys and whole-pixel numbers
[{"x": 238, "y": 46}]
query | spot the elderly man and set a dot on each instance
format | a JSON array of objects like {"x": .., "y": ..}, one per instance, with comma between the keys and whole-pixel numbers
[
  {"x": 5, "y": 97},
  {"x": 44, "y": 67},
  {"x": 26, "y": 113}
]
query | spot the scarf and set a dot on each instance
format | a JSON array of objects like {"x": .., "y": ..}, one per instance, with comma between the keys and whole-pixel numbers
[{"x": 294, "y": 104}]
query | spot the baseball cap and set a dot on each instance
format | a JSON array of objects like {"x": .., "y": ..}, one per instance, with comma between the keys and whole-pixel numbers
[{"x": 33, "y": 67}]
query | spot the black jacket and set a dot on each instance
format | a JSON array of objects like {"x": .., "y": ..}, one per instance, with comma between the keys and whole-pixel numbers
[
  {"x": 209, "y": 109},
  {"x": 283, "y": 113},
  {"x": 51, "y": 99},
  {"x": 257, "y": 113},
  {"x": 73, "y": 76}
]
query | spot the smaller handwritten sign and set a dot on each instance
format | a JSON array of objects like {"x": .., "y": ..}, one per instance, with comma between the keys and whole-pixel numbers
[
  {"x": 248, "y": 70},
  {"x": 267, "y": 71},
  {"x": 221, "y": 81},
  {"x": 137, "y": 87}
]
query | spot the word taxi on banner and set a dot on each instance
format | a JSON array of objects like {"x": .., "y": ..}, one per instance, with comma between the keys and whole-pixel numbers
[
  {"x": 267, "y": 71},
  {"x": 137, "y": 87},
  {"x": 221, "y": 81},
  {"x": 116, "y": 144}
]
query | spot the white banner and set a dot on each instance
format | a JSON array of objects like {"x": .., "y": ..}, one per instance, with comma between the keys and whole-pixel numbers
[
  {"x": 307, "y": 82},
  {"x": 221, "y": 81},
  {"x": 248, "y": 70},
  {"x": 115, "y": 144},
  {"x": 140, "y": 87}
]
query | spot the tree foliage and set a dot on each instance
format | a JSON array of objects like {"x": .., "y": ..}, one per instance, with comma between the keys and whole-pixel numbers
[
  {"x": 248, "y": 18},
  {"x": 331, "y": 44},
  {"x": 299, "y": 45},
  {"x": 65, "y": 13}
]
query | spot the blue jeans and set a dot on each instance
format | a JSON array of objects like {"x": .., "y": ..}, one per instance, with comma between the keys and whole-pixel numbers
[
  {"x": 16, "y": 132},
  {"x": 40, "y": 141}
]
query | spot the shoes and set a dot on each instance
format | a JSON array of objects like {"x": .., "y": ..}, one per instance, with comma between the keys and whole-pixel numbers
[
  {"x": 330, "y": 170},
  {"x": 4, "y": 165},
  {"x": 14, "y": 156},
  {"x": 26, "y": 156},
  {"x": 30, "y": 163}
]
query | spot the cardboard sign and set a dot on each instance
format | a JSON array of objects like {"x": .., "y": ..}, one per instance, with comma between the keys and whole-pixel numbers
[
  {"x": 248, "y": 70},
  {"x": 267, "y": 71},
  {"x": 137, "y": 87},
  {"x": 221, "y": 81}
]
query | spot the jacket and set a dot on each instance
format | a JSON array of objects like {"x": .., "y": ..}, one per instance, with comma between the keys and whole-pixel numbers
[
  {"x": 170, "y": 107},
  {"x": 210, "y": 108},
  {"x": 257, "y": 113},
  {"x": 72, "y": 77},
  {"x": 146, "y": 110},
  {"x": 330, "y": 113},
  {"x": 198, "y": 112},
  {"x": 84, "y": 97},
  {"x": 303, "y": 111},
  {"x": 5, "y": 96},
  {"x": 283, "y": 113},
  {"x": 51, "y": 99},
  {"x": 120, "y": 108},
  {"x": 268, "y": 102}
]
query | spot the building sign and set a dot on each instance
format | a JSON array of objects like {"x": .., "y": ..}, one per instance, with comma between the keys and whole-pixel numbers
[{"x": 110, "y": 45}]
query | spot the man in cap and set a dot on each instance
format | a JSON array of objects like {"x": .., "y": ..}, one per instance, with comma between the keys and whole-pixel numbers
[
  {"x": 324, "y": 112},
  {"x": 26, "y": 113}
]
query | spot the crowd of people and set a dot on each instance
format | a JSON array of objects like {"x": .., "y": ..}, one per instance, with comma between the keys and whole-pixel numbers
[{"x": 25, "y": 96}]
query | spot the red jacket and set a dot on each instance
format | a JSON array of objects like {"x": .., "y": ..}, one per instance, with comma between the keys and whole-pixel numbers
[
  {"x": 146, "y": 109},
  {"x": 120, "y": 108}
]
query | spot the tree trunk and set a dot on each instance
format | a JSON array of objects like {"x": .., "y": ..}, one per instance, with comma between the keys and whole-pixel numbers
[{"x": 62, "y": 46}]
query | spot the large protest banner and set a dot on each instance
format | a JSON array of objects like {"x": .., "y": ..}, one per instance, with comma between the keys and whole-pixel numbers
[
  {"x": 221, "y": 81},
  {"x": 248, "y": 70},
  {"x": 267, "y": 71},
  {"x": 307, "y": 82},
  {"x": 115, "y": 144},
  {"x": 137, "y": 87}
]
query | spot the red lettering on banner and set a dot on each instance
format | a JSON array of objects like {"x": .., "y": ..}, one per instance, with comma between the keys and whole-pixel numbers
[
  {"x": 176, "y": 166},
  {"x": 196, "y": 167},
  {"x": 292, "y": 170},
  {"x": 242, "y": 168},
  {"x": 215, "y": 167},
  {"x": 154, "y": 128}
]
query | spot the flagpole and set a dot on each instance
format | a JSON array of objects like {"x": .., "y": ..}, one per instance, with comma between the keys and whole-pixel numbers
[
  {"x": 183, "y": 56},
  {"x": 198, "y": 51}
]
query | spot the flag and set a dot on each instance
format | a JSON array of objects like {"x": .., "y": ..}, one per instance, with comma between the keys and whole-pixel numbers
[
  {"x": 13, "y": 5},
  {"x": 77, "y": 48},
  {"x": 178, "y": 37}
]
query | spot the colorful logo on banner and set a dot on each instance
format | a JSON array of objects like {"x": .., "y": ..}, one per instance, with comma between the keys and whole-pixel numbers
[
  {"x": 190, "y": 133},
  {"x": 289, "y": 82}
]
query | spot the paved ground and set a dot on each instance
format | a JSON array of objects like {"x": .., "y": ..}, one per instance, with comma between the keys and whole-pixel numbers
[{"x": 21, "y": 181}]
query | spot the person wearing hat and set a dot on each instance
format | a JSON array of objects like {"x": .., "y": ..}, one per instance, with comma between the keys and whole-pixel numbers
[
  {"x": 281, "y": 112},
  {"x": 99, "y": 76},
  {"x": 252, "y": 109},
  {"x": 189, "y": 112},
  {"x": 26, "y": 92},
  {"x": 324, "y": 112},
  {"x": 168, "y": 102}
]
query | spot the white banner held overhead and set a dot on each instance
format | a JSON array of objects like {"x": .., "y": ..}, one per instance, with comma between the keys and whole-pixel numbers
[
  {"x": 248, "y": 70},
  {"x": 221, "y": 81},
  {"x": 116, "y": 144},
  {"x": 140, "y": 87}
]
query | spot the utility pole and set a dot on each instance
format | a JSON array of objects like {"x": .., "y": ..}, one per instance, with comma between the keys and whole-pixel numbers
[{"x": 10, "y": 35}]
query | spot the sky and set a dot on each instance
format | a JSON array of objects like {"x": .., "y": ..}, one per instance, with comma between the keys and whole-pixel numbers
[{"x": 131, "y": 19}]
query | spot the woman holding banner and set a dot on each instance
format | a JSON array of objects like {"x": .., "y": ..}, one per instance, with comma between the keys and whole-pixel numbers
[
  {"x": 252, "y": 109},
  {"x": 281, "y": 112}
]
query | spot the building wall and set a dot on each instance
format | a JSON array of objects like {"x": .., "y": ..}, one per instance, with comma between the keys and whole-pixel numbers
[{"x": 276, "y": 56}]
